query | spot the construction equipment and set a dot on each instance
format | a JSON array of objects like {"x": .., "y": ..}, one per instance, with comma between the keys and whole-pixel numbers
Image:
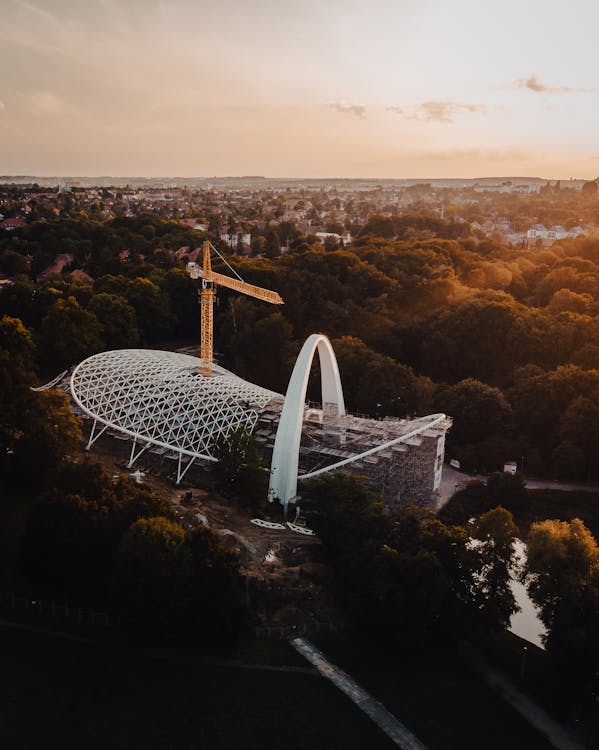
[{"x": 210, "y": 280}]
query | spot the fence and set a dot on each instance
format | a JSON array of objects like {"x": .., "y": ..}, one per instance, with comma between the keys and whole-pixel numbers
[
  {"x": 294, "y": 631},
  {"x": 19, "y": 603},
  {"x": 29, "y": 605}
]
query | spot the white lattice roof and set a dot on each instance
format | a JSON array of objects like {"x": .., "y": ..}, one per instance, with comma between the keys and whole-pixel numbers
[{"x": 162, "y": 398}]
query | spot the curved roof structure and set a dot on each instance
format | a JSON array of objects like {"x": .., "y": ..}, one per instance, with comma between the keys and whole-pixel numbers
[
  {"x": 161, "y": 398},
  {"x": 163, "y": 402}
]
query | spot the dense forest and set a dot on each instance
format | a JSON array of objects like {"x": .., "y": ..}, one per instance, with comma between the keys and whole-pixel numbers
[{"x": 425, "y": 316}]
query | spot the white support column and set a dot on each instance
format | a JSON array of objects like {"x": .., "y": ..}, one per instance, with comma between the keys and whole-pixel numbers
[
  {"x": 134, "y": 456},
  {"x": 181, "y": 474},
  {"x": 93, "y": 437}
]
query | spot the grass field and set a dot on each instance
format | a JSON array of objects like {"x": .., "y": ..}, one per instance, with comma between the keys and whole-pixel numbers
[
  {"x": 57, "y": 694},
  {"x": 440, "y": 699},
  {"x": 14, "y": 511}
]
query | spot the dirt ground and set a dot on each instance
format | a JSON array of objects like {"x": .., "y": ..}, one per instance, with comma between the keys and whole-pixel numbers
[{"x": 284, "y": 569}]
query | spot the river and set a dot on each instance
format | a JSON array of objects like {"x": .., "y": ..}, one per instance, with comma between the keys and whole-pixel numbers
[{"x": 526, "y": 622}]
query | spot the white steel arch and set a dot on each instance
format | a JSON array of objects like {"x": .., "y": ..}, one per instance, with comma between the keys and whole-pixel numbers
[{"x": 285, "y": 457}]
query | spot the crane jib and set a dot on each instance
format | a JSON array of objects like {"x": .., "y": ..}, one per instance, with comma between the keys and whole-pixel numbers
[
  {"x": 210, "y": 280},
  {"x": 241, "y": 286}
]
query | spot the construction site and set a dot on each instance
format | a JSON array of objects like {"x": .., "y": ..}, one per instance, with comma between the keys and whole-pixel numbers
[
  {"x": 173, "y": 406},
  {"x": 156, "y": 415}
]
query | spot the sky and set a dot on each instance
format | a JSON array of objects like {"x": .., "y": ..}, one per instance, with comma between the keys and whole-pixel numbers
[{"x": 300, "y": 88}]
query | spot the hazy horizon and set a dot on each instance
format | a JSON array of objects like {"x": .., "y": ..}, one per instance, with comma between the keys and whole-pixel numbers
[
  {"x": 389, "y": 89},
  {"x": 293, "y": 178}
]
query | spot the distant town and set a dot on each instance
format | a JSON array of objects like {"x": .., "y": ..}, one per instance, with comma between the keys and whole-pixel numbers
[{"x": 256, "y": 216}]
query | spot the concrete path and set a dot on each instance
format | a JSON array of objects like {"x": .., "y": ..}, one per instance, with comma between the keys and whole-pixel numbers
[
  {"x": 453, "y": 480},
  {"x": 554, "y": 733},
  {"x": 393, "y": 728}
]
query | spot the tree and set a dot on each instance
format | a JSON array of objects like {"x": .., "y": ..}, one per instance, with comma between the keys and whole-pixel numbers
[
  {"x": 258, "y": 244},
  {"x": 217, "y": 593},
  {"x": 38, "y": 431},
  {"x": 272, "y": 247},
  {"x": 496, "y": 532},
  {"x": 153, "y": 569},
  {"x": 378, "y": 385},
  {"x": 186, "y": 583},
  {"x": 587, "y": 357},
  {"x": 151, "y": 306},
  {"x": 406, "y": 575},
  {"x": 74, "y": 530},
  {"x": 562, "y": 573},
  {"x": 481, "y": 414},
  {"x": 240, "y": 471},
  {"x": 183, "y": 299},
  {"x": 483, "y": 338},
  {"x": 16, "y": 371},
  {"x": 507, "y": 489},
  {"x": 541, "y": 398},
  {"x": 565, "y": 300},
  {"x": 259, "y": 334},
  {"x": 19, "y": 301},
  {"x": 68, "y": 334},
  {"x": 12, "y": 263},
  {"x": 117, "y": 321},
  {"x": 43, "y": 438},
  {"x": 346, "y": 515},
  {"x": 579, "y": 429}
]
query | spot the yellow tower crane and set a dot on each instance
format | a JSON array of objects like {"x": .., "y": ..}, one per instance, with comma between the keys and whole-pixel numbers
[{"x": 210, "y": 280}]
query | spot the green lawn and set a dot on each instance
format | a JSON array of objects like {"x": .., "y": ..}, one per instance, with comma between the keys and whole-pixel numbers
[
  {"x": 505, "y": 651},
  {"x": 14, "y": 510},
  {"x": 57, "y": 694},
  {"x": 440, "y": 699},
  {"x": 262, "y": 651}
]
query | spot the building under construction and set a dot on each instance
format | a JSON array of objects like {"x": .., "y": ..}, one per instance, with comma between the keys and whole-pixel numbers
[
  {"x": 407, "y": 470},
  {"x": 175, "y": 406},
  {"x": 171, "y": 414}
]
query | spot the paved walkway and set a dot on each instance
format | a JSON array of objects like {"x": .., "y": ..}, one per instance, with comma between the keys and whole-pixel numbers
[
  {"x": 452, "y": 480},
  {"x": 400, "y": 735},
  {"x": 554, "y": 733}
]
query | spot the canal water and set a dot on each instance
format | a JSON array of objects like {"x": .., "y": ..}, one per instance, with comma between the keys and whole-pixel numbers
[{"x": 526, "y": 622}]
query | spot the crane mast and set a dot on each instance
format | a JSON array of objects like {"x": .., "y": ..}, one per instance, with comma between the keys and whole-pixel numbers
[
  {"x": 210, "y": 281},
  {"x": 207, "y": 297}
]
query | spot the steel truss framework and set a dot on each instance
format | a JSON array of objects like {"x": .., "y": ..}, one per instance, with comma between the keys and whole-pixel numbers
[
  {"x": 165, "y": 403},
  {"x": 162, "y": 399},
  {"x": 285, "y": 460}
]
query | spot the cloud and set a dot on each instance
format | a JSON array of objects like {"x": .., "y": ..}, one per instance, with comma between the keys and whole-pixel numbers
[
  {"x": 45, "y": 103},
  {"x": 357, "y": 110},
  {"x": 533, "y": 83},
  {"x": 442, "y": 111},
  {"x": 48, "y": 104},
  {"x": 34, "y": 10}
]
